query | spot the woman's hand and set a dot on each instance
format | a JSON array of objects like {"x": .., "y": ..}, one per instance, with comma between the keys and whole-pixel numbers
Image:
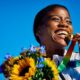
[{"x": 77, "y": 37}]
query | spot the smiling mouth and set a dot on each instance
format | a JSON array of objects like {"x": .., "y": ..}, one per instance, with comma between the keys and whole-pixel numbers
[{"x": 61, "y": 33}]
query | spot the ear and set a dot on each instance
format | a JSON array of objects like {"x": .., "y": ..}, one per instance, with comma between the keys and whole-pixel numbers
[
  {"x": 39, "y": 31},
  {"x": 38, "y": 34}
]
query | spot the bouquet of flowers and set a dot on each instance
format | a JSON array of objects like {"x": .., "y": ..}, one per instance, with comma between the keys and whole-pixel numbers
[{"x": 32, "y": 64}]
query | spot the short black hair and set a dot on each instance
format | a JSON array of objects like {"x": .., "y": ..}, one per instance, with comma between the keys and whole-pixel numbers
[{"x": 38, "y": 21}]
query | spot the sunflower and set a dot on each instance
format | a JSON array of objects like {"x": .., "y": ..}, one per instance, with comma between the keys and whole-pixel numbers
[
  {"x": 31, "y": 65},
  {"x": 23, "y": 70},
  {"x": 53, "y": 67}
]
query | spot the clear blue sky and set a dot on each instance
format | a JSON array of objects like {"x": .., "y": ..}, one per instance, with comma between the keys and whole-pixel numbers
[{"x": 16, "y": 23}]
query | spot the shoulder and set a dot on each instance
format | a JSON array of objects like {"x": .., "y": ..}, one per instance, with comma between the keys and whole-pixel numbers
[{"x": 74, "y": 56}]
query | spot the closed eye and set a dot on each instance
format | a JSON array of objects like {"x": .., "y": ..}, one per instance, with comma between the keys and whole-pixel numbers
[
  {"x": 55, "y": 19},
  {"x": 69, "y": 22}
]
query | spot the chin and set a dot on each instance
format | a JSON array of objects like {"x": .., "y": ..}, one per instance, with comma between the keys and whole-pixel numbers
[{"x": 62, "y": 44}]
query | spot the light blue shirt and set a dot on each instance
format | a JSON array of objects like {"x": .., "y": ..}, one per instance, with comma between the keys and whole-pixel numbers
[{"x": 70, "y": 72}]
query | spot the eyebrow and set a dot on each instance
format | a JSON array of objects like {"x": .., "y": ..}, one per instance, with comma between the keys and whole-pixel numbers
[{"x": 58, "y": 16}]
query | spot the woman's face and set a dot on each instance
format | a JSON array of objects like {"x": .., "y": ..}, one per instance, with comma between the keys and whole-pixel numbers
[{"x": 59, "y": 25}]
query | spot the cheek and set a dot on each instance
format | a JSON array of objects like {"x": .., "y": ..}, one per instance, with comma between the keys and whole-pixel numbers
[
  {"x": 52, "y": 25},
  {"x": 71, "y": 29}
]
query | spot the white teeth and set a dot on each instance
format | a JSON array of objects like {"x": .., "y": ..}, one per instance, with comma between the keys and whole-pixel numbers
[{"x": 62, "y": 32}]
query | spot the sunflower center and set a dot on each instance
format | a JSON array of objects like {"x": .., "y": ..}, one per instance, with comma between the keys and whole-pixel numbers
[{"x": 25, "y": 70}]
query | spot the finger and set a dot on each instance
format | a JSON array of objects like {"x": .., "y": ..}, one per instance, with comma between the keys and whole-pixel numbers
[{"x": 77, "y": 37}]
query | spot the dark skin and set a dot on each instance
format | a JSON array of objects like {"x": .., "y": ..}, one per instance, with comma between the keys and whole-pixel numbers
[{"x": 54, "y": 31}]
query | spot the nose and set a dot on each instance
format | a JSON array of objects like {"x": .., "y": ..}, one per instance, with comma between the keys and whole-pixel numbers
[{"x": 63, "y": 24}]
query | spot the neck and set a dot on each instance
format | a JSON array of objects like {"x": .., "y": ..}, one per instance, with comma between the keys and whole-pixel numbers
[
  {"x": 52, "y": 51},
  {"x": 53, "y": 48}
]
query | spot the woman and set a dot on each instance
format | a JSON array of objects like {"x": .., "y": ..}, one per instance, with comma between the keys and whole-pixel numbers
[{"x": 52, "y": 25}]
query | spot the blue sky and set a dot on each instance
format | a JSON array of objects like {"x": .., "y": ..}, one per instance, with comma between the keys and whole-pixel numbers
[{"x": 16, "y": 23}]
